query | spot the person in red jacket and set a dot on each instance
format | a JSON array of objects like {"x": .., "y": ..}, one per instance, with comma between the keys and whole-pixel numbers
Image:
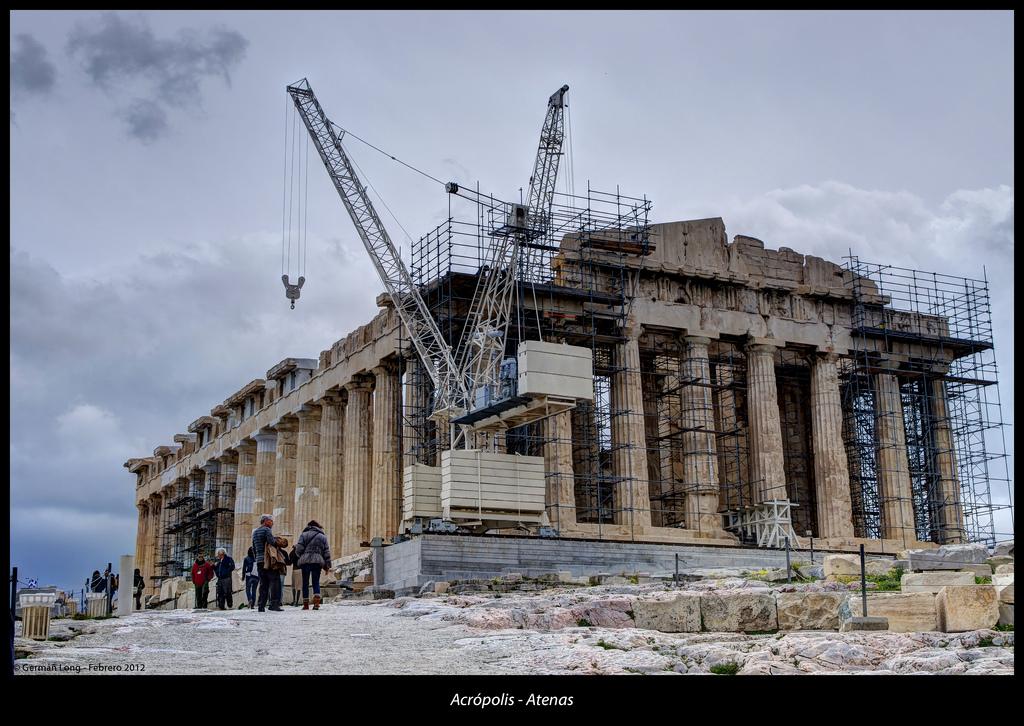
[{"x": 202, "y": 573}]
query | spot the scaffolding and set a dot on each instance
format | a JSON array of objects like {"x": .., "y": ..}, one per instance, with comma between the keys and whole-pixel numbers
[
  {"x": 197, "y": 522},
  {"x": 922, "y": 423},
  {"x": 922, "y": 379},
  {"x": 575, "y": 286}
]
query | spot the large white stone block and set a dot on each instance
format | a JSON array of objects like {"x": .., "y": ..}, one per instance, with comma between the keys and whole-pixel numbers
[
  {"x": 907, "y": 612},
  {"x": 738, "y": 612},
  {"x": 967, "y": 607},
  {"x": 678, "y": 613},
  {"x": 934, "y": 581},
  {"x": 946, "y": 557},
  {"x": 809, "y": 610}
]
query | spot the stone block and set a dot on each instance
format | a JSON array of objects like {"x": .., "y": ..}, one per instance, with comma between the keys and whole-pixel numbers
[
  {"x": 809, "y": 610},
  {"x": 812, "y": 572},
  {"x": 946, "y": 557},
  {"x": 907, "y": 612},
  {"x": 983, "y": 570},
  {"x": 1004, "y": 588},
  {"x": 859, "y": 623},
  {"x": 441, "y": 587},
  {"x": 1004, "y": 569},
  {"x": 878, "y": 567},
  {"x": 679, "y": 613},
  {"x": 841, "y": 565},
  {"x": 934, "y": 581},
  {"x": 735, "y": 611},
  {"x": 1005, "y": 614},
  {"x": 1003, "y": 549},
  {"x": 967, "y": 607},
  {"x": 996, "y": 562}
]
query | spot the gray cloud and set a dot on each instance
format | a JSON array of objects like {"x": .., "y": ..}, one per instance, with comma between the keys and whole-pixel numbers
[
  {"x": 119, "y": 50},
  {"x": 32, "y": 72},
  {"x": 147, "y": 120}
]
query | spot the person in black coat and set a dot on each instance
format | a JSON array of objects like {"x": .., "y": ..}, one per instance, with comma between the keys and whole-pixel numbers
[
  {"x": 223, "y": 566},
  {"x": 251, "y": 577},
  {"x": 139, "y": 585}
]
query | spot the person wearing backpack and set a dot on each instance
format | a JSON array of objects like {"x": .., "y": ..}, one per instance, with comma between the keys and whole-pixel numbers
[
  {"x": 314, "y": 555},
  {"x": 263, "y": 539}
]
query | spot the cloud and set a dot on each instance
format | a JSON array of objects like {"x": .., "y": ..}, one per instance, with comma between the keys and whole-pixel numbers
[
  {"x": 108, "y": 366},
  {"x": 147, "y": 120},
  {"x": 118, "y": 50},
  {"x": 32, "y": 72}
]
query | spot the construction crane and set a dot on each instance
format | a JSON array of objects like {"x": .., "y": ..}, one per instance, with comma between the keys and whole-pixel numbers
[
  {"x": 473, "y": 482},
  {"x": 483, "y": 351},
  {"x": 434, "y": 351}
]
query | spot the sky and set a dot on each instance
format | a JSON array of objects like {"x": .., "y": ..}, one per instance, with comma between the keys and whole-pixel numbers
[{"x": 148, "y": 172}]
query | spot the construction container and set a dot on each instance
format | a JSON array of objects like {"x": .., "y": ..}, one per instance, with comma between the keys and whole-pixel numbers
[
  {"x": 555, "y": 369},
  {"x": 421, "y": 491},
  {"x": 485, "y": 485},
  {"x": 35, "y": 615}
]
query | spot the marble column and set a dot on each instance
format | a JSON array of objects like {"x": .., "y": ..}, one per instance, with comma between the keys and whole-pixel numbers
[
  {"x": 330, "y": 476},
  {"x": 356, "y": 498},
  {"x": 414, "y": 422},
  {"x": 894, "y": 493},
  {"x": 767, "y": 474},
  {"x": 948, "y": 508},
  {"x": 700, "y": 453},
  {"x": 153, "y": 543},
  {"x": 734, "y": 487},
  {"x": 586, "y": 461},
  {"x": 386, "y": 480},
  {"x": 245, "y": 498},
  {"x": 629, "y": 452},
  {"x": 560, "y": 497},
  {"x": 141, "y": 537},
  {"x": 227, "y": 491},
  {"x": 284, "y": 478},
  {"x": 307, "y": 469},
  {"x": 266, "y": 459},
  {"x": 831, "y": 475}
]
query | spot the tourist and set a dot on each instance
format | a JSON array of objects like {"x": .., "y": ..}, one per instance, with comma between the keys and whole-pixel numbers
[
  {"x": 296, "y": 584},
  {"x": 140, "y": 585},
  {"x": 270, "y": 579},
  {"x": 223, "y": 567},
  {"x": 314, "y": 555},
  {"x": 251, "y": 576},
  {"x": 202, "y": 573},
  {"x": 97, "y": 583}
]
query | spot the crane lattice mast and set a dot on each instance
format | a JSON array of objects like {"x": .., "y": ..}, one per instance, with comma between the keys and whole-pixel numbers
[{"x": 435, "y": 353}]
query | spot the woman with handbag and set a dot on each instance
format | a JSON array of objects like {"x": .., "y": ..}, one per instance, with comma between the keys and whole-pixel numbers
[{"x": 314, "y": 556}]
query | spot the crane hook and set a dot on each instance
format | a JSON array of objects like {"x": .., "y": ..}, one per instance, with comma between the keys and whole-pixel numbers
[{"x": 292, "y": 291}]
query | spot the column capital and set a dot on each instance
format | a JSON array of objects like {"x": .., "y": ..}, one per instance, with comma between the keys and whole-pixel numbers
[
  {"x": 212, "y": 466},
  {"x": 386, "y": 367},
  {"x": 230, "y": 456},
  {"x": 264, "y": 435},
  {"x": 696, "y": 340},
  {"x": 309, "y": 411},
  {"x": 359, "y": 383},
  {"x": 762, "y": 345},
  {"x": 823, "y": 356},
  {"x": 287, "y": 424}
]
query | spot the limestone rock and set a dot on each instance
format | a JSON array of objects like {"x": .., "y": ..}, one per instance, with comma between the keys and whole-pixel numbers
[
  {"x": 996, "y": 562},
  {"x": 1005, "y": 614},
  {"x": 859, "y": 623},
  {"x": 1004, "y": 588},
  {"x": 737, "y": 611},
  {"x": 809, "y": 610},
  {"x": 441, "y": 587},
  {"x": 1004, "y": 569},
  {"x": 877, "y": 567},
  {"x": 946, "y": 557},
  {"x": 1003, "y": 549},
  {"x": 679, "y": 613},
  {"x": 983, "y": 570},
  {"x": 842, "y": 565},
  {"x": 967, "y": 607},
  {"x": 428, "y": 586},
  {"x": 907, "y": 612},
  {"x": 808, "y": 572},
  {"x": 934, "y": 581}
]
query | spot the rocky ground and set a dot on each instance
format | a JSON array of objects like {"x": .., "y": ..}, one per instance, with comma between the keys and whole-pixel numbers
[{"x": 561, "y": 630}]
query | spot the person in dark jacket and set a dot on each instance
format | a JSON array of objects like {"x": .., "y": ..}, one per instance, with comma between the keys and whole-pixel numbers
[
  {"x": 314, "y": 555},
  {"x": 270, "y": 581},
  {"x": 223, "y": 566},
  {"x": 251, "y": 577},
  {"x": 97, "y": 583},
  {"x": 140, "y": 585},
  {"x": 202, "y": 573}
]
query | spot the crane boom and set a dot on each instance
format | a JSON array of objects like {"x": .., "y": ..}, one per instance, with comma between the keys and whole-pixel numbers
[
  {"x": 433, "y": 349},
  {"x": 491, "y": 309}
]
